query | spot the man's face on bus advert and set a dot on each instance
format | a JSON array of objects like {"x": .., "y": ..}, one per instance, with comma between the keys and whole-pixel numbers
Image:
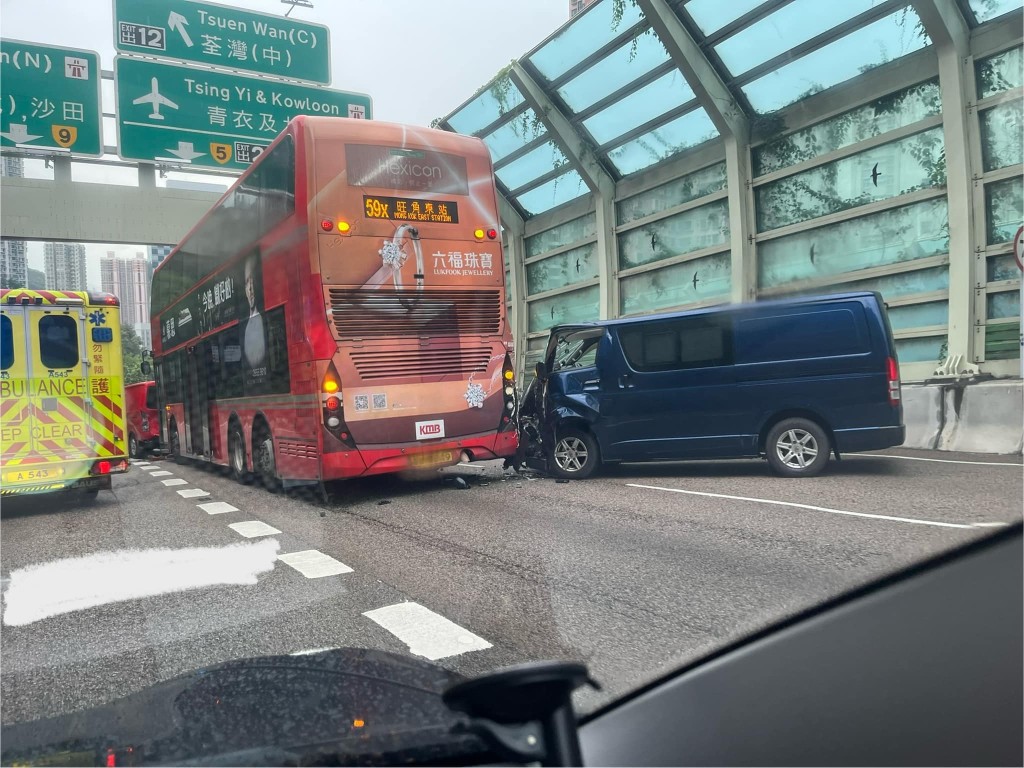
[{"x": 250, "y": 284}]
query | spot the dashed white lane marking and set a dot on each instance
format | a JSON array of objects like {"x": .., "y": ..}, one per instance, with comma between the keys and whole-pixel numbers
[
  {"x": 174, "y": 481},
  {"x": 939, "y": 461},
  {"x": 314, "y": 564},
  {"x": 912, "y": 520},
  {"x": 160, "y": 473},
  {"x": 193, "y": 493},
  {"x": 253, "y": 528},
  {"x": 141, "y": 464},
  {"x": 427, "y": 634},
  {"x": 990, "y": 525},
  {"x": 217, "y": 507},
  {"x": 73, "y": 584}
]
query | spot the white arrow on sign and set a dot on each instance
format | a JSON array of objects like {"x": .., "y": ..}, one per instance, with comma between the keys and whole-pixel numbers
[
  {"x": 178, "y": 22},
  {"x": 18, "y": 133},
  {"x": 186, "y": 151}
]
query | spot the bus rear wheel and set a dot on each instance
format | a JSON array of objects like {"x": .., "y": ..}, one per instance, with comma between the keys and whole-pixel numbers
[
  {"x": 236, "y": 455},
  {"x": 263, "y": 459},
  {"x": 175, "y": 442}
]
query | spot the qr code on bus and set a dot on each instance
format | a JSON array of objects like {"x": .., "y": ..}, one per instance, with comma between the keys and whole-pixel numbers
[
  {"x": 380, "y": 402},
  {"x": 362, "y": 403}
]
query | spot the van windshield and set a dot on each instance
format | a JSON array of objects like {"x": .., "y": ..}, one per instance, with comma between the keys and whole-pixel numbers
[{"x": 577, "y": 349}]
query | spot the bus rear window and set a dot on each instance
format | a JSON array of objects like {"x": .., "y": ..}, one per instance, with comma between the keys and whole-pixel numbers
[
  {"x": 415, "y": 170},
  {"x": 58, "y": 341},
  {"x": 6, "y": 343}
]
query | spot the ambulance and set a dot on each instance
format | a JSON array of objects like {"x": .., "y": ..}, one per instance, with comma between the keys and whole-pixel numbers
[{"x": 62, "y": 414}]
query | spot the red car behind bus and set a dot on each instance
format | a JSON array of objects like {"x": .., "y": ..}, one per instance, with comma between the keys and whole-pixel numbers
[
  {"x": 341, "y": 310},
  {"x": 143, "y": 417}
]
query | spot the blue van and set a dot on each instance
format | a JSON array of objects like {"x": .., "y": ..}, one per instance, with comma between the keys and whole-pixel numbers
[{"x": 792, "y": 381}]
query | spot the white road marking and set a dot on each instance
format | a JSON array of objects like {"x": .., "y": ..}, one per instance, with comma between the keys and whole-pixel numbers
[
  {"x": 990, "y": 525},
  {"x": 913, "y": 520},
  {"x": 427, "y": 634},
  {"x": 217, "y": 507},
  {"x": 174, "y": 481},
  {"x": 141, "y": 464},
  {"x": 314, "y": 564},
  {"x": 40, "y": 591},
  {"x": 160, "y": 473},
  {"x": 193, "y": 493},
  {"x": 253, "y": 528},
  {"x": 939, "y": 461}
]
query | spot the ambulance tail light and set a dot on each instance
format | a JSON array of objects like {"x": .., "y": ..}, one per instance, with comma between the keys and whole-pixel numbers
[
  {"x": 108, "y": 466},
  {"x": 98, "y": 297}
]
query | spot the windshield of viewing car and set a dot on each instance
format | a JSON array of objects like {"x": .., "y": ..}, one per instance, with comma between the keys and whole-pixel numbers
[{"x": 345, "y": 452}]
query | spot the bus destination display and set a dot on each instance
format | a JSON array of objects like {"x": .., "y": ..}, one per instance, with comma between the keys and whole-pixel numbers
[{"x": 411, "y": 209}]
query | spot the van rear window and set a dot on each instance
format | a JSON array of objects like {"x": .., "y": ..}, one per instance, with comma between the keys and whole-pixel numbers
[
  {"x": 151, "y": 398},
  {"x": 686, "y": 342},
  {"x": 802, "y": 333},
  {"x": 6, "y": 343}
]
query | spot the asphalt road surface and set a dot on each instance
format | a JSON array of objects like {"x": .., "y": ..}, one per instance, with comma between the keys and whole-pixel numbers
[{"x": 633, "y": 572}]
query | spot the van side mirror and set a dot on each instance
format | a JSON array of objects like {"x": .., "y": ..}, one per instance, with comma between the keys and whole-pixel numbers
[
  {"x": 146, "y": 368},
  {"x": 541, "y": 371}
]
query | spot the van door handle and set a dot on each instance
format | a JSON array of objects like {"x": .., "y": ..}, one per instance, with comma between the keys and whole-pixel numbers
[
  {"x": 625, "y": 382},
  {"x": 591, "y": 385}
]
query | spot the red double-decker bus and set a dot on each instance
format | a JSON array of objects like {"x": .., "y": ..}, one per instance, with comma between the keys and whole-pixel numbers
[{"x": 341, "y": 310}]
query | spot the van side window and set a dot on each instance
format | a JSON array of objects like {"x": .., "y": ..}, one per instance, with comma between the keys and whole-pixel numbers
[
  {"x": 802, "y": 333},
  {"x": 58, "y": 341},
  {"x": 576, "y": 350},
  {"x": 686, "y": 342},
  {"x": 6, "y": 343}
]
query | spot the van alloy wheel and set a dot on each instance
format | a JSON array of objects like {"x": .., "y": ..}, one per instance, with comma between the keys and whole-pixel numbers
[
  {"x": 574, "y": 455},
  {"x": 571, "y": 454},
  {"x": 797, "y": 448}
]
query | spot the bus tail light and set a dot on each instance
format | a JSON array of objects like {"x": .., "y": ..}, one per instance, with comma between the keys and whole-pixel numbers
[
  {"x": 334, "y": 407},
  {"x": 508, "y": 383},
  {"x": 492, "y": 234},
  {"x": 326, "y": 225},
  {"x": 332, "y": 382},
  {"x": 893, "y": 371}
]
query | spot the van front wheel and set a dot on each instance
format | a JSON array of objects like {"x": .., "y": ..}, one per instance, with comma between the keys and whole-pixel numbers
[
  {"x": 575, "y": 454},
  {"x": 797, "y": 448}
]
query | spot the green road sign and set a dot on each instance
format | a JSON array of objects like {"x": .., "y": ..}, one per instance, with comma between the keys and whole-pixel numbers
[
  {"x": 221, "y": 36},
  {"x": 50, "y": 98},
  {"x": 174, "y": 113}
]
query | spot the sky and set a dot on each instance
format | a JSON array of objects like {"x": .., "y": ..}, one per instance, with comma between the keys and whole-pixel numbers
[{"x": 417, "y": 59}]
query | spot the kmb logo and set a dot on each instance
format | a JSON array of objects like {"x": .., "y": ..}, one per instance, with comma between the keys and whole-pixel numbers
[{"x": 429, "y": 429}]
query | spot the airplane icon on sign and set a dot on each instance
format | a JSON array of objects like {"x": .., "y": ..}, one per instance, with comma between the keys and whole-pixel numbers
[{"x": 157, "y": 100}]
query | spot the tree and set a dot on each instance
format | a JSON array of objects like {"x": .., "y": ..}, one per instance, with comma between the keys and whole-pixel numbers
[{"x": 131, "y": 350}]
